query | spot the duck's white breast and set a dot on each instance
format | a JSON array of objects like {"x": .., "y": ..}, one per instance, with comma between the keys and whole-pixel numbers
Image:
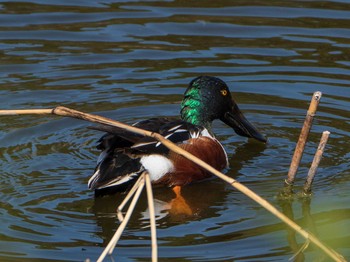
[{"x": 157, "y": 165}]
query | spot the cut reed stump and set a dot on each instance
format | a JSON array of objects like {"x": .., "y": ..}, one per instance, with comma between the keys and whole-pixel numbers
[
  {"x": 63, "y": 111},
  {"x": 299, "y": 149},
  {"x": 315, "y": 163}
]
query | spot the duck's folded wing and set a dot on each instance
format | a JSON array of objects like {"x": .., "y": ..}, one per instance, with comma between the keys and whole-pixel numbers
[
  {"x": 115, "y": 169},
  {"x": 117, "y": 137},
  {"x": 175, "y": 131}
]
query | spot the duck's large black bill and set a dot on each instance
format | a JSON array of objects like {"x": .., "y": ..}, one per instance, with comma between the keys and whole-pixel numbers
[{"x": 235, "y": 119}]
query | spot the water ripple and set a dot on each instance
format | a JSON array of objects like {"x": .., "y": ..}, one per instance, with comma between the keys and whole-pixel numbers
[{"x": 130, "y": 60}]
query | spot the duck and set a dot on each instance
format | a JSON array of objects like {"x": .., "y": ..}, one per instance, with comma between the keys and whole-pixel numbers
[{"x": 125, "y": 156}]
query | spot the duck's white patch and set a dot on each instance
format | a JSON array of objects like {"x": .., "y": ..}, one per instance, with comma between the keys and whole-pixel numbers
[
  {"x": 117, "y": 181},
  {"x": 180, "y": 130},
  {"x": 142, "y": 144},
  {"x": 94, "y": 178},
  {"x": 205, "y": 132},
  {"x": 157, "y": 166},
  {"x": 171, "y": 134},
  {"x": 120, "y": 180},
  {"x": 223, "y": 149},
  {"x": 175, "y": 127}
]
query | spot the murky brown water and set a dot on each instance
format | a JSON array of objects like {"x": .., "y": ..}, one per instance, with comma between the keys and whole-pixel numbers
[{"x": 133, "y": 60}]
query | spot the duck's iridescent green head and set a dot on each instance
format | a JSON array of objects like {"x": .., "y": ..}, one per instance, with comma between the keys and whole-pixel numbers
[{"x": 208, "y": 98}]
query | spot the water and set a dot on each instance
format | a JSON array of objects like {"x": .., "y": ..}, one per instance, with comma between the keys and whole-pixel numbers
[{"x": 130, "y": 60}]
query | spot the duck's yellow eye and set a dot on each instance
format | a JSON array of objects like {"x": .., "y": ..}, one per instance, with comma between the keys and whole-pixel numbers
[{"x": 224, "y": 92}]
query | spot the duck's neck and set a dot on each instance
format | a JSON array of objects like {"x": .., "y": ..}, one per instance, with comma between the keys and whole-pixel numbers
[{"x": 192, "y": 111}]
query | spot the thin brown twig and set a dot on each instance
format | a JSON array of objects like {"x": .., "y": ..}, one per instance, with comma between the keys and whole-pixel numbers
[
  {"x": 63, "y": 111},
  {"x": 315, "y": 162}
]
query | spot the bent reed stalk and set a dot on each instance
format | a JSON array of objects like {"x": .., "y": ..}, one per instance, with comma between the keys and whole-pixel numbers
[{"x": 67, "y": 112}]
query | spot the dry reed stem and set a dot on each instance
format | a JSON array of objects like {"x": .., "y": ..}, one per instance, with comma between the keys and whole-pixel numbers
[
  {"x": 112, "y": 243},
  {"x": 299, "y": 149},
  {"x": 315, "y": 162},
  {"x": 26, "y": 112},
  {"x": 127, "y": 198},
  {"x": 152, "y": 218},
  {"x": 63, "y": 111}
]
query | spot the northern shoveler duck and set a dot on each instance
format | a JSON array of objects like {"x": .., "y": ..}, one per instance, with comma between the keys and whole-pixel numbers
[{"x": 125, "y": 155}]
